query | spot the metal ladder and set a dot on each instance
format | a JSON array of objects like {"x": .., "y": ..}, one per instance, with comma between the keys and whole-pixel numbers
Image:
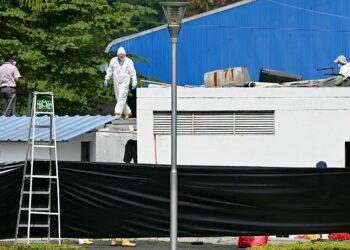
[{"x": 40, "y": 184}]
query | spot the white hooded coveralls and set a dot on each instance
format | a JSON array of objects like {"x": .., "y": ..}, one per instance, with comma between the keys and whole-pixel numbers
[
  {"x": 345, "y": 70},
  {"x": 122, "y": 73}
]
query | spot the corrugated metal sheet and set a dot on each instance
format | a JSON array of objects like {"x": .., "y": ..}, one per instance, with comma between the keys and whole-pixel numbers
[
  {"x": 67, "y": 127},
  {"x": 296, "y": 36}
]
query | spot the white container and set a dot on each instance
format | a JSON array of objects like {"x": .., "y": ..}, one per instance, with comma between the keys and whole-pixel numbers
[{"x": 238, "y": 76}]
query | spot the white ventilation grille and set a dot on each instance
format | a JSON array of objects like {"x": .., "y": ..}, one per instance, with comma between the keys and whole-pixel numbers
[
  {"x": 255, "y": 123},
  {"x": 162, "y": 123},
  {"x": 230, "y": 123}
]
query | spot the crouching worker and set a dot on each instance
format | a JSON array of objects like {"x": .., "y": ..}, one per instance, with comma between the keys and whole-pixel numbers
[{"x": 343, "y": 65}]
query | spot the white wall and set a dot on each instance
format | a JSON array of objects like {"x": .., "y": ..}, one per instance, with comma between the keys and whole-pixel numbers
[
  {"x": 311, "y": 124},
  {"x": 110, "y": 146},
  {"x": 66, "y": 151}
]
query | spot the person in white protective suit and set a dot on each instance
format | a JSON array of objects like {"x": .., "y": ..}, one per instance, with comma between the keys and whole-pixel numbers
[
  {"x": 343, "y": 65},
  {"x": 122, "y": 69}
]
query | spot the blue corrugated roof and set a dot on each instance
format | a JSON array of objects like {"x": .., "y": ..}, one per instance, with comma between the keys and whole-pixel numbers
[
  {"x": 67, "y": 127},
  {"x": 297, "y": 36}
]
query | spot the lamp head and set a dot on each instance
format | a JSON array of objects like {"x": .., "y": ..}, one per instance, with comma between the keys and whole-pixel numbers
[{"x": 174, "y": 13}]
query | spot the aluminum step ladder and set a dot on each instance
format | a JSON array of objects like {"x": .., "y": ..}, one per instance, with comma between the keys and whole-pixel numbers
[{"x": 39, "y": 206}]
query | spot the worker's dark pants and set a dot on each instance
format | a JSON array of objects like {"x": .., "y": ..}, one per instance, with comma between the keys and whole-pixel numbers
[{"x": 9, "y": 100}]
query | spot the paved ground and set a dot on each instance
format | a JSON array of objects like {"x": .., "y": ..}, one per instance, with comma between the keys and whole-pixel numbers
[
  {"x": 147, "y": 245},
  {"x": 223, "y": 243},
  {"x": 215, "y": 243}
]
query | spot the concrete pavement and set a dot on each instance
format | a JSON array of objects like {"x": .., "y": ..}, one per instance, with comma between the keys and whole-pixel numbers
[
  {"x": 153, "y": 245},
  {"x": 215, "y": 243}
]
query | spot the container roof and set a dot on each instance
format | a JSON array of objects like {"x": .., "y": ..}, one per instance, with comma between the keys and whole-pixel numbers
[{"x": 67, "y": 127}]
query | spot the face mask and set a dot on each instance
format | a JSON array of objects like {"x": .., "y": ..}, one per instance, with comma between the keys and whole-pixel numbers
[
  {"x": 121, "y": 59},
  {"x": 14, "y": 63},
  {"x": 339, "y": 65}
]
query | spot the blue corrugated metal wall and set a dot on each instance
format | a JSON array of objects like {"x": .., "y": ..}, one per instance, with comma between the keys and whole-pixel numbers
[{"x": 296, "y": 36}]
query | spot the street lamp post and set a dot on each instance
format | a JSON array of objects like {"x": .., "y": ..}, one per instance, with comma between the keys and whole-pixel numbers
[{"x": 174, "y": 13}]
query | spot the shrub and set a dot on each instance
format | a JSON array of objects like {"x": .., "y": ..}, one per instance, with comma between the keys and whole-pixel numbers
[
  {"x": 38, "y": 247},
  {"x": 334, "y": 245}
]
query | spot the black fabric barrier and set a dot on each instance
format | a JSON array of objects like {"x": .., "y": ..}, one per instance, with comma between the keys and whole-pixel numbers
[{"x": 100, "y": 200}]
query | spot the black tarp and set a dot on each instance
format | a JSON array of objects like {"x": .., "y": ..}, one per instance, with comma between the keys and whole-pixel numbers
[{"x": 100, "y": 200}]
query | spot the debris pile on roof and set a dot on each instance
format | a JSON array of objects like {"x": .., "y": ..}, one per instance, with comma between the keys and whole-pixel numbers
[
  {"x": 335, "y": 81},
  {"x": 239, "y": 77}
]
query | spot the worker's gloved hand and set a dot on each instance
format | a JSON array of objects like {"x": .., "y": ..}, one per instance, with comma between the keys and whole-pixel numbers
[
  {"x": 105, "y": 84},
  {"x": 133, "y": 87}
]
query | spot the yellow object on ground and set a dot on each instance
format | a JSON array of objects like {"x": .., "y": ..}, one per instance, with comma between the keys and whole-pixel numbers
[
  {"x": 127, "y": 243},
  {"x": 89, "y": 242},
  {"x": 85, "y": 242},
  {"x": 114, "y": 242},
  {"x": 122, "y": 242},
  {"x": 312, "y": 236}
]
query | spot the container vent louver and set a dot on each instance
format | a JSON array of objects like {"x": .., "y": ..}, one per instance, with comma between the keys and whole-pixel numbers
[{"x": 220, "y": 123}]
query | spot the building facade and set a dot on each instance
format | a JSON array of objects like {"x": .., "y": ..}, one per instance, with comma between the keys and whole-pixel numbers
[{"x": 272, "y": 127}]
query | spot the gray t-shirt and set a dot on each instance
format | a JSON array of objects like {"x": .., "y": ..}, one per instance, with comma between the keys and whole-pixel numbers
[{"x": 8, "y": 74}]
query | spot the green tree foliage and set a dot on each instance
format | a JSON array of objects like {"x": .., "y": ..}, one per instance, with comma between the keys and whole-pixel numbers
[
  {"x": 195, "y": 7},
  {"x": 200, "y": 6},
  {"x": 35, "y": 4},
  {"x": 60, "y": 47},
  {"x": 147, "y": 21},
  {"x": 4, "y": 246}
]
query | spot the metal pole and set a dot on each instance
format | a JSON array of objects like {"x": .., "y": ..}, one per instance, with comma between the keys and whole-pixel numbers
[{"x": 173, "y": 173}]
